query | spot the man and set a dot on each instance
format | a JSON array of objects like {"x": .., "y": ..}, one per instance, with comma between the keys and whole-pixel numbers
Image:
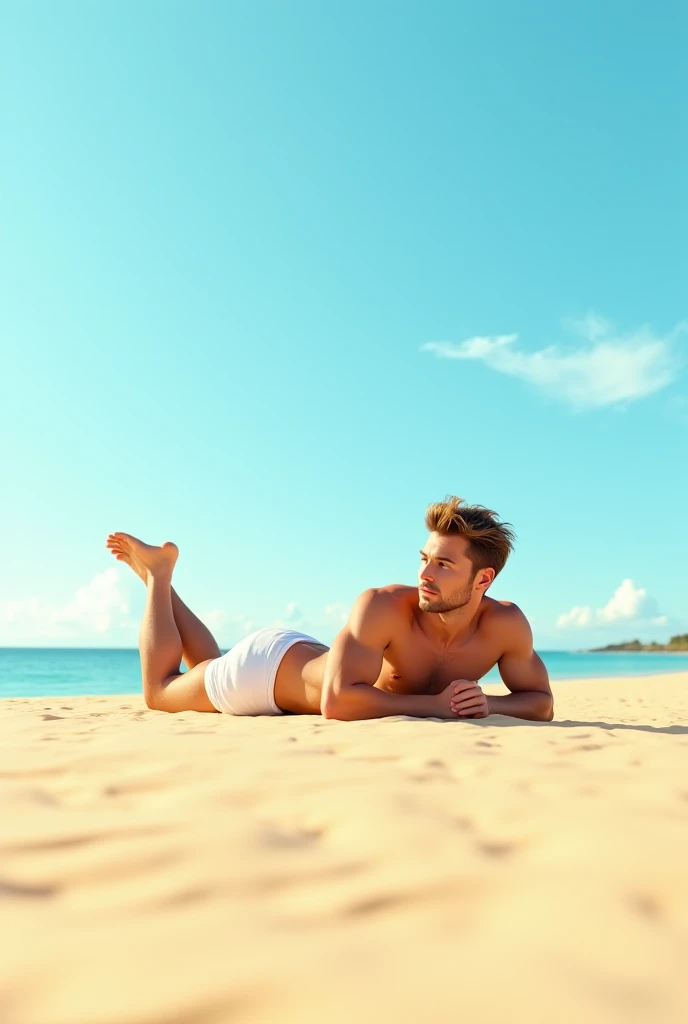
[{"x": 415, "y": 651}]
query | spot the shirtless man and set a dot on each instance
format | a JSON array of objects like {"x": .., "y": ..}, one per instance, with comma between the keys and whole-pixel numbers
[{"x": 415, "y": 651}]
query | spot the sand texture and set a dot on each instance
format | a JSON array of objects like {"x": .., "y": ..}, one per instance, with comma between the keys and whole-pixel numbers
[{"x": 202, "y": 869}]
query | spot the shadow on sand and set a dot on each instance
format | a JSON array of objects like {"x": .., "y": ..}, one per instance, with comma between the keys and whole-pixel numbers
[{"x": 500, "y": 721}]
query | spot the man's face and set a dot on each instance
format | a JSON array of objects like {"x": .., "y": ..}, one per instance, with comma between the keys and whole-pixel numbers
[{"x": 446, "y": 576}]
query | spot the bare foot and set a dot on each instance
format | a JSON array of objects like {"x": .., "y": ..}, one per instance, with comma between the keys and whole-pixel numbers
[
  {"x": 145, "y": 559},
  {"x": 128, "y": 556}
]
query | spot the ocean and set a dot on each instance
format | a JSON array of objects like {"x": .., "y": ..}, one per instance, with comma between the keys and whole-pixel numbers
[{"x": 78, "y": 671}]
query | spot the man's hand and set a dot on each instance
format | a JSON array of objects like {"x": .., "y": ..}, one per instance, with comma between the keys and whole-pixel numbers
[
  {"x": 468, "y": 700},
  {"x": 462, "y": 698}
]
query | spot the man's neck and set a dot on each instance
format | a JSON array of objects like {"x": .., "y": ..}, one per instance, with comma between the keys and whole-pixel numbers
[{"x": 449, "y": 628}]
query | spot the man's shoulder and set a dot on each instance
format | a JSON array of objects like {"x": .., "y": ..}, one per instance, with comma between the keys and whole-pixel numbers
[
  {"x": 505, "y": 614},
  {"x": 378, "y": 610},
  {"x": 395, "y": 596},
  {"x": 508, "y": 627}
]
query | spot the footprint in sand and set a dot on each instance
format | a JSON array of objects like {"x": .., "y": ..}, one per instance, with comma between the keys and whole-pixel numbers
[
  {"x": 8, "y": 888},
  {"x": 647, "y": 905},
  {"x": 497, "y": 849}
]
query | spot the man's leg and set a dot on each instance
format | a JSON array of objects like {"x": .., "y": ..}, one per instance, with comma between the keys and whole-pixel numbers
[
  {"x": 159, "y": 641},
  {"x": 198, "y": 643},
  {"x": 165, "y": 688}
]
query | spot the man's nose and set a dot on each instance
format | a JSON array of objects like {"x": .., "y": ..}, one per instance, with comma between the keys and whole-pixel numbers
[{"x": 426, "y": 572}]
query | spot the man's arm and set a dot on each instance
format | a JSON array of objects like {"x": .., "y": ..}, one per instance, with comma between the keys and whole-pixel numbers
[
  {"x": 524, "y": 673},
  {"x": 354, "y": 664}
]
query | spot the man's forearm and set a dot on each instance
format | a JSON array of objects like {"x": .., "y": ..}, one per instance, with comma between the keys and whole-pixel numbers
[
  {"x": 531, "y": 704},
  {"x": 361, "y": 700}
]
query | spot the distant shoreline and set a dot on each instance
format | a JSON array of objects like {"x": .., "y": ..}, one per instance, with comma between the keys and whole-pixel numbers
[
  {"x": 630, "y": 650},
  {"x": 677, "y": 645}
]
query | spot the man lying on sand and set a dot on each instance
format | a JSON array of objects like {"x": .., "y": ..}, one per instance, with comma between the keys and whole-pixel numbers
[{"x": 415, "y": 651}]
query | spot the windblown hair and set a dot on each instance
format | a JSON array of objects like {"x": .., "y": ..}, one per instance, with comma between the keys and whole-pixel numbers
[{"x": 491, "y": 541}]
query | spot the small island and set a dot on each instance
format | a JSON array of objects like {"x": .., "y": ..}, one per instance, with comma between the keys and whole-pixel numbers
[{"x": 677, "y": 643}]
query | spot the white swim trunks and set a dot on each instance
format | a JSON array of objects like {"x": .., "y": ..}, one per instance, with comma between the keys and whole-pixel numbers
[{"x": 242, "y": 681}]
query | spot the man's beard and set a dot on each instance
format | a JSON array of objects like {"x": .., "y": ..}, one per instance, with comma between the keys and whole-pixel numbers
[{"x": 459, "y": 599}]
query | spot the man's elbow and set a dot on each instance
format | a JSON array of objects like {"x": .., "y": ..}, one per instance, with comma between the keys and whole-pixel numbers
[
  {"x": 548, "y": 709},
  {"x": 331, "y": 706},
  {"x": 151, "y": 700},
  {"x": 334, "y": 711},
  {"x": 327, "y": 707}
]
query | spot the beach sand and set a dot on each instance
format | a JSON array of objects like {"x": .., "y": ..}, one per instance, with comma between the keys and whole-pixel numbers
[{"x": 202, "y": 869}]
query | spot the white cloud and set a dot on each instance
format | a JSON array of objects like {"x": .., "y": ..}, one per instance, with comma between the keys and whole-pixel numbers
[
  {"x": 324, "y": 625},
  {"x": 591, "y": 326},
  {"x": 576, "y": 617},
  {"x": 337, "y": 612},
  {"x": 293, "y": 619},
  {"x": 227, "y": 629},
  {"x": 102, "y": 606},
  {"x": 610, "y": 369},
  {"x": 294, "y": 613},
  {"x": 629, "y": 603}
]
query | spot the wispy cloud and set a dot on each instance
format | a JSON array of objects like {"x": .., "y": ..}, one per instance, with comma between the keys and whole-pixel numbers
[
  {"x": 227, "y": 627},
  {"x": 337, "y": 613},
  {"x": 609, "y": 369},
  {"x": 629, "y": 604},
  {"x": 324, "y": 624},
  {"x": 293, "y": 618},
  {"x": 101, "y": 607}
]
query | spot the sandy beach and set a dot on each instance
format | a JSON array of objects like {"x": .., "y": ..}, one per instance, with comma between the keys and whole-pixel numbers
[{"x": 201, "y": 869}]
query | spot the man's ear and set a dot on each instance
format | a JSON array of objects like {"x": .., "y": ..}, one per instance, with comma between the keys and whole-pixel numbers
[{"x": 484, "y": 578}]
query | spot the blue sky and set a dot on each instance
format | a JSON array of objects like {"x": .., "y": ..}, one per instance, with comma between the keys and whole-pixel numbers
[{"x": 274, "y": 276}]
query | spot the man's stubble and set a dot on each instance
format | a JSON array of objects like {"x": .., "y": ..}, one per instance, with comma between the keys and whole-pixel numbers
[{"x": 459, "y": 599}]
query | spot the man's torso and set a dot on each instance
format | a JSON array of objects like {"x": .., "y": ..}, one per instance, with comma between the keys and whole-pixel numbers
[{"x": 413, "y": 660}]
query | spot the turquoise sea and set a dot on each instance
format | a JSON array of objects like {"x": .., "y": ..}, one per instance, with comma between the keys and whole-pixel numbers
[{"x": 76, "y": 671}]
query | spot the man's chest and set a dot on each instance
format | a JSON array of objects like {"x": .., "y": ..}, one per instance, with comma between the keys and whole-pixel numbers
[{"x": 418, "y": 667}]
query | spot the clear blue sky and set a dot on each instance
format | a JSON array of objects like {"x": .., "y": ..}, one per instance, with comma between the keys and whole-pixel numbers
[{"x": 276, "y": 275}]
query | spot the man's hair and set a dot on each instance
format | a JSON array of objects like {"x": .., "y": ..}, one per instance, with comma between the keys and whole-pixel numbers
[{"x": 491, "y": 541}]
